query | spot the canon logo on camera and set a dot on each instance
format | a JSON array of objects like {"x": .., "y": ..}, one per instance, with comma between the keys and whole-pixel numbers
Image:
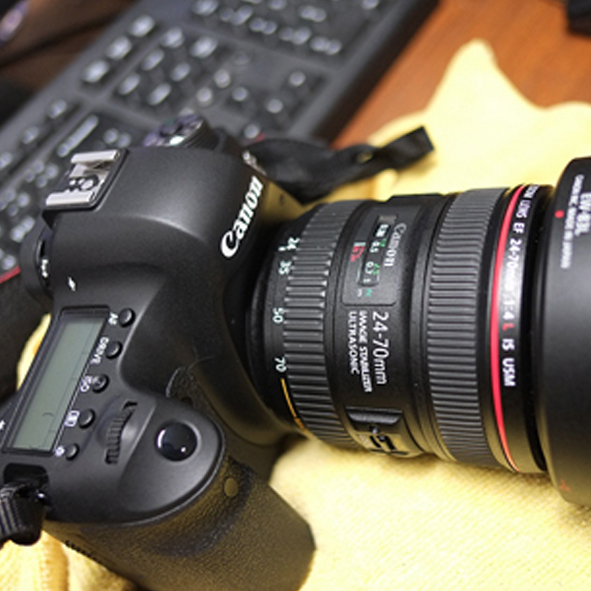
[{"x": 232, "y": 239}]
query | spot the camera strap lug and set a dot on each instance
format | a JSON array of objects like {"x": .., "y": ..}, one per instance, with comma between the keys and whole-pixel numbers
[
  {"x": 308, "y": 169},
  {"x": 311, "y": 170},
  {"x": 21, "y": 514}
]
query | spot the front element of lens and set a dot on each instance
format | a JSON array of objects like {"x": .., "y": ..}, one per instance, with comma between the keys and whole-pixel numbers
[{"x": 405, "y": 326}]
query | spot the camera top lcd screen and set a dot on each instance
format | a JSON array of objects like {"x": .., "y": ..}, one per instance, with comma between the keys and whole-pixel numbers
[{"x": 55, "y": 381}]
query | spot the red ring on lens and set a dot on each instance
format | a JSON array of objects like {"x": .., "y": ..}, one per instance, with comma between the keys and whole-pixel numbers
[{"x": 495, "y": 364}]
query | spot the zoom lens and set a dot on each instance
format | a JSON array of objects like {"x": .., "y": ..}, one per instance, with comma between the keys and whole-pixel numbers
[{"x": 452, "y": 324}]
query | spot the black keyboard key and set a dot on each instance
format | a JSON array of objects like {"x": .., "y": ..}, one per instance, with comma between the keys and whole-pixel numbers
[
  {"x": 129, "y": 86},
  {"x": 97, "y": 72},
  {"x": 153, "y": 61},
  {"x": 313, "y": 14},
  {"x": 142, "y": 27},
  {"x": 206, "y": 48},
  {"x": 59, "y": 110},
  {"x": 241, "y": 99},
  {"x": 120, "y": 49},
  {"x": 205, "y": 8},
  {"x": 181, "y": 73},
  {"x": 34, "y": 135},
  {"x": 173, "y": 39},
  {"x": 159, "y": 96},
  {"x": 9, "y": 160},
  {"x": 205, "y": 96}
]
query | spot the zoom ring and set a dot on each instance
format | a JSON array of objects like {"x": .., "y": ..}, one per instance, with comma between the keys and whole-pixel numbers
[
  {"x": 453, "y": 310},
  {"x": 304, "y": 343}
]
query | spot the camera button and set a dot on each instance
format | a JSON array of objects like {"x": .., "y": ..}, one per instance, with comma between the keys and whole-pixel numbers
[
  {"x": 176, "y": 441},
  {"x": 126, "y": 317},
  {"x": 99, "y": 383},
  {"x": 86, "y": 418},
  {"x": 71, "y": 451},
  {"x": 113, "y": 349}
]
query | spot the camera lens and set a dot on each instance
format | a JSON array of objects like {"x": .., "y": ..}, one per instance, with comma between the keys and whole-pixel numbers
[{"x": 450, "y": 324}]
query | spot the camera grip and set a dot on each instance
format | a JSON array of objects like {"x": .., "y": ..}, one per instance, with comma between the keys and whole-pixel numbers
[{"x": 239, "y": 534}]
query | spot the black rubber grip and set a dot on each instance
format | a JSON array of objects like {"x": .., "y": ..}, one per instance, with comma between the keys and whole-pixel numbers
[
  {"x": 305, "y": 304},
  {"x": 454, "y": 310}
]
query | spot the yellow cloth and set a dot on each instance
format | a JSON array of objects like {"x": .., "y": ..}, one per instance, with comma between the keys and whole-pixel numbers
[{"x": 382, "y": 523}]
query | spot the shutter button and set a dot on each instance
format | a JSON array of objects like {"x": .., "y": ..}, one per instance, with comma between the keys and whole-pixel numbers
[{"x": 176, "y": 441}]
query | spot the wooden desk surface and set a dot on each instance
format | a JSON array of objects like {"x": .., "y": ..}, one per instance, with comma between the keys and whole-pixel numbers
[{"x": 533, "y": 46}]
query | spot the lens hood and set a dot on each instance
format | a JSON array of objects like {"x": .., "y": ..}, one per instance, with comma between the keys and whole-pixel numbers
[{"x": 562, "y": 335}]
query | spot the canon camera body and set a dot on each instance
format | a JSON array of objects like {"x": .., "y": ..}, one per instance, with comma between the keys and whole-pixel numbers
[
  {"x": 192, "y": 332},
  {"x": 138, "y": 424}
]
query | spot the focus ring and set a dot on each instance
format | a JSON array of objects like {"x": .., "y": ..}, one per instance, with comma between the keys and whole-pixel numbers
[
  {"x": 453, "y": 312},
  {"x": 304, "y": 342}
]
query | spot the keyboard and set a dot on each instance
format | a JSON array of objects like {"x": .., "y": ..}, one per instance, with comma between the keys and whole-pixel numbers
[{"x": 255, "y": 67}]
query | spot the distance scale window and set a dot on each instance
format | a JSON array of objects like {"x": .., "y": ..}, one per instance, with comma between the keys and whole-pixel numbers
[{"x": 369, "y": 274}]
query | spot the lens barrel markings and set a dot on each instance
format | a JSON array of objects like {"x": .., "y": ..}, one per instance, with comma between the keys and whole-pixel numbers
[
  {"x": 510, "y": 328},
  {"x": 304, "y": 305}
]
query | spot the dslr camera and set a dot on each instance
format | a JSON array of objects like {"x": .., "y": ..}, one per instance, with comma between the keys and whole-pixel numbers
[{"x": 201, "y": 315}]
